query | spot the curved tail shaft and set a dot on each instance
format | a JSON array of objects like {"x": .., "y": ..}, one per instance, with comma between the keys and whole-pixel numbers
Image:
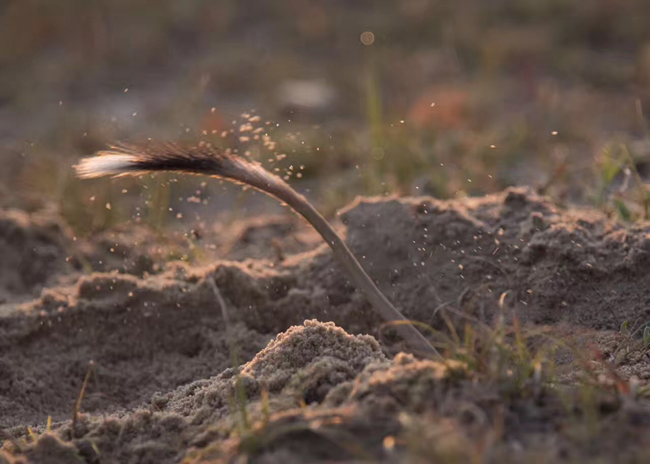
[{"x": 123, "y": 160}]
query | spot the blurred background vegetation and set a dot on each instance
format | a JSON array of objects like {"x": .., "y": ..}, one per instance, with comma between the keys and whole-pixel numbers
[{"x": 363, "y": 97}]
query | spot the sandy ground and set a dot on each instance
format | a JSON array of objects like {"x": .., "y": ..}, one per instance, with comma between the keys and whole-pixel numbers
[{"x": 163, "y": 387}]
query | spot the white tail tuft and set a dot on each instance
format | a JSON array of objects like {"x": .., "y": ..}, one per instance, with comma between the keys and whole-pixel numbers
[{"x": 108, "y": 164}]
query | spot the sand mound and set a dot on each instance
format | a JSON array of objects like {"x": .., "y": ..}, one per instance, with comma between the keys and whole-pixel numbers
[
  {"x": 159, "y": 338},
  {"x": 302, "y": 364}
]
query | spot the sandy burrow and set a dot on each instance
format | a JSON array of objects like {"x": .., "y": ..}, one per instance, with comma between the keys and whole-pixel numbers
[{"x": 157, "y": 333}]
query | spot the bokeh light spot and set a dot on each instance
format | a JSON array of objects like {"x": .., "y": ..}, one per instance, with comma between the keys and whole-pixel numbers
[{"x": 367, "y": 38}]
